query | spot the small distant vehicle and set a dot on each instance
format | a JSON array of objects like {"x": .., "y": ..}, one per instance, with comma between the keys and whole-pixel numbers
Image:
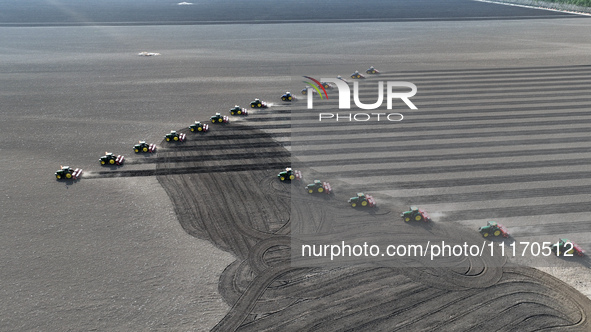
[
  {"x": 66, "y": 172},
  {"x": 148, "y": 54},
  {"x": 175, "y": 137},
  {"x": 142, "y": 146},
  {"x": 219, "y": 118},
  {"x": 372, "y": 70},
  {"x": 257, "y": 103},
  {"x": 566, "y": 247},
  {"x": 319, "y": 187},
  {"x": 198, "y": 126},
  {"x": 237, "y": 110},
  {"x": 289, "y": 174},
  {"x": 357, "y": 75},
  {"x": 415, "y": 214},
  {"x": 305, "y": 91},
  {"x": 110, "y": 159},
  {"x": 287, "y": 96},
  {"x": 494, "y": 229},
  {"x": 326, "y": 85},
  {"x": 362, "y": 200}
]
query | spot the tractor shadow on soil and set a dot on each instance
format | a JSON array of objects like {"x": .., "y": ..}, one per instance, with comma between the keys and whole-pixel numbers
[
  {"x": 111, "y": 167},
  {"x": 425, "y": 225},
  {"x": 68, "y": 182}
]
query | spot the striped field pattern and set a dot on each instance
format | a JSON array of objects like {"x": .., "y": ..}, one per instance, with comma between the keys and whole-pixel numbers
[{"x": 507, "y": 144}]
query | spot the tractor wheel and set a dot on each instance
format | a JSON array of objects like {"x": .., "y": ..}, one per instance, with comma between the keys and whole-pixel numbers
[
  {"x": 176, "y": 138},
  {"x": 291, "y": 177},
  {"x": 58, "y": 176},
  {"x": 112, "y": 161},
  {"x": 239, "y": 112},
  {"x": 192, "y": 129},
  {"x": 136, "y": 150},
  {"x": 570, "y": 252},
  {"x": 497, "y": 233},
  {"x": 221, "y": 119},
  {"x": 310, "y": 191},
  {"x": 418, "y": 217},
  {"x": 353, "y": 204},
  {"x": 168, "y": 139},
  {"x": 102, "y": 162},
  {"x": 364, "y": 203},
  {"x": 258, "y": 105},
  {"x": 485, "y": 234},
  {"x": 252, "y": 105},
  {"x": 407, "y": 219},
  {"x": 212, "y": 121},
  {"x": 200, "y": 129},
  {"x": 289, "y": 98},
  {"x": 320, "y": 189},
  {"x": 145, "y": 149},
  {"x": 68, "y": 176},
  {"x": 282, "y": 178},
  {"x": 232, "y": 113},
  {"x": 283, "y": 98}
]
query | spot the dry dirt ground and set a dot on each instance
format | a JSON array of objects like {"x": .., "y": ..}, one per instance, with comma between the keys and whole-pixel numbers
[
  {"x": 224, "y": 188},
  {"x": 501, "y": 133}
]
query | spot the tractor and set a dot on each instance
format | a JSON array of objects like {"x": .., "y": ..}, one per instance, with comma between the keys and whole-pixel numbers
[
  {"x": 494, "y": 229},
  {"x": 289, "y": 174},
  {"x": 415, "y": 214},
  {"x": 237, "y": 110},
  {"x": 287, "y": 96},
  {"x": 565, "y": 247},
  {"x": 372, "y": 70},
  {"x": 142, "y": 146},
  {"x": 362, "y": 200},
  {"x": 110, "y": 159},
  {"x": 357, "y": 75},
  {"x": 319, "y": 187},
  {"x": 66, "y": 172},
  {"x": 198, "y": 126},
  {"x": 219, "y": 118},
  {"x": 257, "y": 103},
  {"x": 175, "y": 137}
]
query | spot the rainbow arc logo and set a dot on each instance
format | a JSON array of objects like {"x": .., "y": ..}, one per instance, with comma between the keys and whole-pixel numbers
[{"x": 316, "y": 87}]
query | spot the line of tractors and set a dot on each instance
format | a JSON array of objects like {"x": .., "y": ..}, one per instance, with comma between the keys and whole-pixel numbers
[{"x": 362, "y": 200}]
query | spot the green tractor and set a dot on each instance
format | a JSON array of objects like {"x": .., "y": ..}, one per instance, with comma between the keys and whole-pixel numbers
[
  {"x": 288, "y": 174},
  {"x": 198, "y": 126},
  {"x": 415, "y": 214},
  {"x": 142, "y": 146},
  {"x": 257, "y": 103},
  {"x": 319, "y": 187},
  {"x": 362, "y": 200},
  {"x": 565, "y": 247},
  {"x": 111, "y": 159},
  {"x": 173, "y": 136},
  {"x": 494, "y": 229},
  {"x": 67, "y": 173},
  {"x": 237, "y": 110},
  {"x": 219, "y": 118}
]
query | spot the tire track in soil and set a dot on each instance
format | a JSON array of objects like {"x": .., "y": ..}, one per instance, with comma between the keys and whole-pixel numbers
[{"x": 240, "y": 210}]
